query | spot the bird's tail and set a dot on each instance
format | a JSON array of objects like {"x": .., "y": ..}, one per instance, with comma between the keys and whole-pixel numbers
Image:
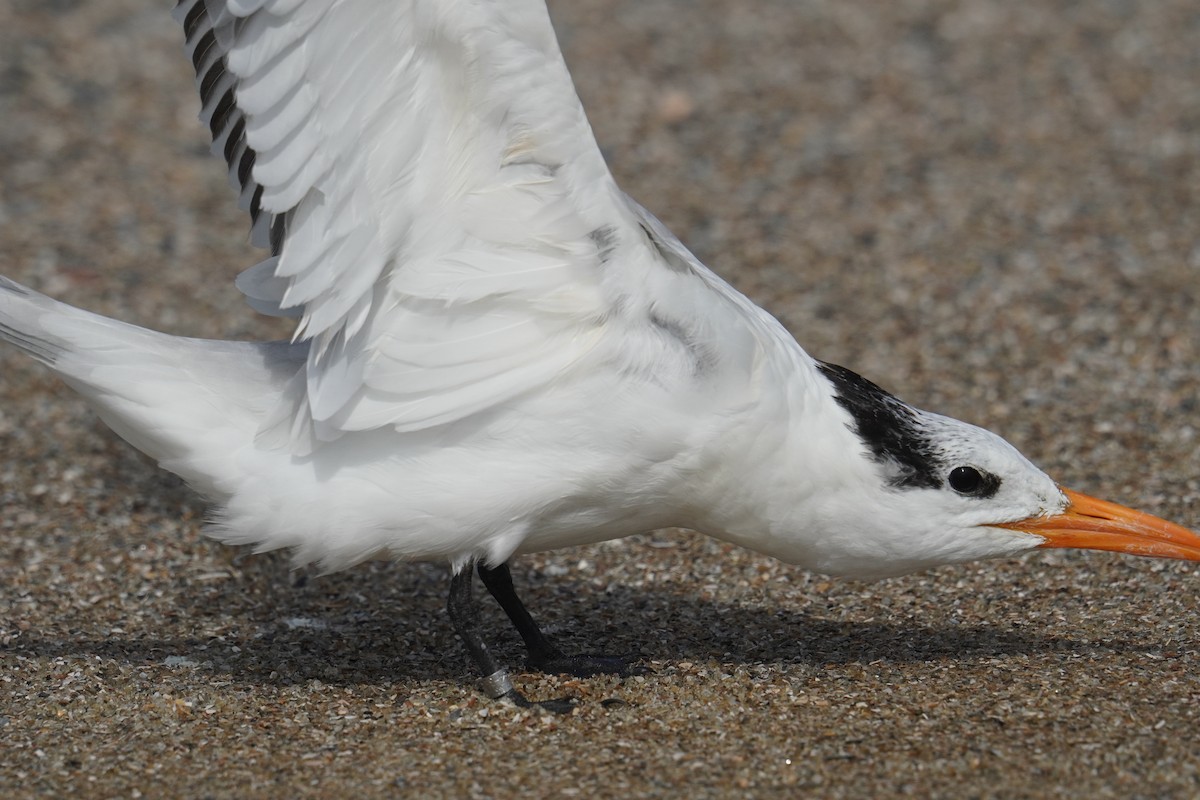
[{"x": 190, "y": 404}]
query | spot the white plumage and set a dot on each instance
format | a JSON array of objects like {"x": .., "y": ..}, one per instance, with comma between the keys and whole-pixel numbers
[
  {"x": 497, "y": 350},
  {"x": 453, "y": 236}
]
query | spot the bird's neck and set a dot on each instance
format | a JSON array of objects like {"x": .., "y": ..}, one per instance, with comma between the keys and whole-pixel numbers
[
  {"x": 774, "y": 451},
  {"x": 771, "y": 473}
]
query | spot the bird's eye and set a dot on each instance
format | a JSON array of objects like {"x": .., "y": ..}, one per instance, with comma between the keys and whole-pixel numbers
[{"x": 965, "y": 480}]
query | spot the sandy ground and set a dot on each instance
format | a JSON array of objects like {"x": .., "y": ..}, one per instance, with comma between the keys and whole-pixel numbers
[{"x": 989, "y": 207}]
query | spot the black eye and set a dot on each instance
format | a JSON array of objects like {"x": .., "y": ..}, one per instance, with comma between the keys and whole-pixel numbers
[{"x": 965, "y": 480}]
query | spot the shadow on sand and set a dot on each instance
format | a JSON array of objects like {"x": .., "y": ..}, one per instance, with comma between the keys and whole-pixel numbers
[{"x": 383, "y": 623}]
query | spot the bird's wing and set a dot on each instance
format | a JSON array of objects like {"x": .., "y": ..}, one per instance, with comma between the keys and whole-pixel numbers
[{"x": 439, "y": 215}]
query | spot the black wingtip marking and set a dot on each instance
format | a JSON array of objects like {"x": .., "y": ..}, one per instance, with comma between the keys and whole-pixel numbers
[
  {"x": 192, "y": 20},
  {"x": 278, "y": 233},
  {"x": 202, "y": 47},
  {"x": 227, "y": 119},
  {"x": 889, "y": 428},
  {"x": 246, "y": 166},
  {"x": 226, "y": 107},
  {"x": 236, "y": 137},
  {"x": 256, "y": 206},
  {"x": 211, "y": 79}
]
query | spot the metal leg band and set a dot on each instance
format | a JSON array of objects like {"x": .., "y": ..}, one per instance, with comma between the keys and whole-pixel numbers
[{"x": 496, "y": 685}]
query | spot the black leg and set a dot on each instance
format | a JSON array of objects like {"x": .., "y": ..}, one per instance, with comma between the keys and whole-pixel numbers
[
  {"x": 498, "y": 581},
  {"x": 543, "y": 655},
  {"x": 464, "y": 615}
]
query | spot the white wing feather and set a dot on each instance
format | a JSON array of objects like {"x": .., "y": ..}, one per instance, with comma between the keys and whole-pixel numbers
[{"x": 439, "y": 213}]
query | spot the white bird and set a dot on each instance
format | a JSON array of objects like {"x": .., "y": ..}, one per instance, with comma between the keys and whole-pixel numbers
[{"x": 499, "y": 352}]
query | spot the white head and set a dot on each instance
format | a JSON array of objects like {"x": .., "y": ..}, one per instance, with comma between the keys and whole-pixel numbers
[{"x": 919, "y": 489}]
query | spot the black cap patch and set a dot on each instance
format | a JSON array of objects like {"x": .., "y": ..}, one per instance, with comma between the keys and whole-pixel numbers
[{"x": 889, "y": 428}]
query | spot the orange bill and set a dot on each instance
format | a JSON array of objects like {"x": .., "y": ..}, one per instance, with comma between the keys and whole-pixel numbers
[{"x": 1091, "y": 524}]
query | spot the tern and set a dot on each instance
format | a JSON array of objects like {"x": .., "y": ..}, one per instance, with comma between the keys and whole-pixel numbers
[{"x": 498, "y": 352}]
